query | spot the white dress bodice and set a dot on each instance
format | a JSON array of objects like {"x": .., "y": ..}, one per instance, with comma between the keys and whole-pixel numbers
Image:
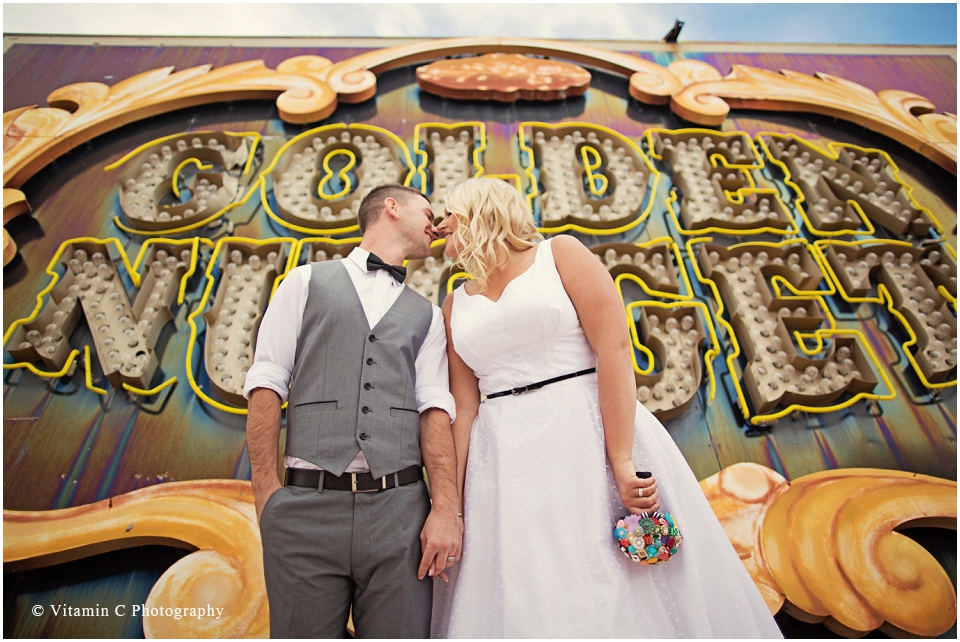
[{"x": 532, "y": 333}]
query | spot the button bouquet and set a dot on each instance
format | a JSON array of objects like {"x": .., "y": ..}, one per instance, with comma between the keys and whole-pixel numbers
[{"x": 648, "y": 538}]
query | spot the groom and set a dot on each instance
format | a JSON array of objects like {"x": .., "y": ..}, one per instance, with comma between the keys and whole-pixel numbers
[{"x": 364, "y": 359}]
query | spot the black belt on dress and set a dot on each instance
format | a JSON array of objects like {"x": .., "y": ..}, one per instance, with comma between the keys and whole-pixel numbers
[
  {"x": 355, "y": 482},
  {"x": 540, "y": 384}
]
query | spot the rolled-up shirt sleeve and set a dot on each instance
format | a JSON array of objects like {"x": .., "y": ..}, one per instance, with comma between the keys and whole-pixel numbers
[
  {"x": 433, "y": 377},
  {"x": 279, "y": 332}
]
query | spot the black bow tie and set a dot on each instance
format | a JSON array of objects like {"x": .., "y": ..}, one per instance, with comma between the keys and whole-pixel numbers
[{"x": 374, "y": 262}]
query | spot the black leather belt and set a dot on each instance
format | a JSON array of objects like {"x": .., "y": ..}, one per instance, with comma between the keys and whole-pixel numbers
[
  {"x": 540, "y": 384},
  {"x": 355, "y": 482}
]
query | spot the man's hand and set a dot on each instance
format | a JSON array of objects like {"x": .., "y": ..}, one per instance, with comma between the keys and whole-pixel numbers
[
  {"x": 261, "y": 497},
  {"x": 440, "y": 539},
  {"x": 263, "y": 434},
  {"x": 442, "y": 534}
]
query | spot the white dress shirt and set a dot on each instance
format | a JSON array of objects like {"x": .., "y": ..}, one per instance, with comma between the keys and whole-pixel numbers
[{"x": 378, "y": 291}]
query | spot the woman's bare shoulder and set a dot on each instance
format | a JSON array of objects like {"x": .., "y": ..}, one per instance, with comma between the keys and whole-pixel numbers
[
  {"x": 447, "y": 306},
  {"x": 570, "y": 252}
]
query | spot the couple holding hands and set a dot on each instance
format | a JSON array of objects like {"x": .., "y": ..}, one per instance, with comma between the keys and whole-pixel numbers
[{"x": 518, "y": 398}]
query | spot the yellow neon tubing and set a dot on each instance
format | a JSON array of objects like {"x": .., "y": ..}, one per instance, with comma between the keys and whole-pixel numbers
[
  {"x": 648, "y": 135},
  {"x": 849, "y": 402},
  {"x": 177, "y": 230},
  {"x": 262, "y": 179},
  {"x": 885, "y": 298},
  {"x": 347, "y": 184},
  {"x": 176, "y": 172},
  {"x": 190, "y": 379},
  {"x": 672, "y": 245},
  {"x": 731, "y": 358},
  {"x": 685, "y": 298},
  {"x": 821, "y": 252},
  {"x": 191, "y": 268},
  {"x": 732, "y": 365},
  {"x": 293, "y": 257},
  {"x": 41, "y": 373},
  {"x": 837, "y": 283},
  {"x": 799, "y": 198},
  {"x": 299, "y": 228},
  {"x": 454, "y": 277},
  {"x": 636, "y": 338},
  {"x": 146, "y": 393},
  {"x": 734, "y": 197},
  {"x": 534, "y": 191},
  {"x": 422, "y": 154},
  {"x": 881, "y": 288},
  {"x": 677, "y": 298},
  {"x": 741, "y": 193},
  {"x": 896, "y": 176},
  {"x": 132, "y": 270},
  {"x": 712, "y": 353},
  {"x": 146, "y": 146},
  {"x": 591, "y": 164},
  {"x": 192, "y": 226},
  {"x": 55, "y": 277},
  {"x": 253, "y": 148},
  {"x": 833, "y": 154},
  {"x": 515, "y": 177},
  {"x": 211, "y": 265},
  {"x": 637, "y": 344},
  {"x": 942, "y": 290},
  {"x": 949, "y": 297},
  {"x": 89, "y": 373}
]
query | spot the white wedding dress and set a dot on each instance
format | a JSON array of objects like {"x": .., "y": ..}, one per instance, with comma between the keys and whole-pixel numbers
[{"x": 539, "y": 557}]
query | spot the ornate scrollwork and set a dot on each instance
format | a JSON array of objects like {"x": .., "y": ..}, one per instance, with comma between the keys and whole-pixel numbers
[
  {"x": 77, "y": 113},
  {"x": 214, "y": 518},
  {"x": 827, "y": 546},
  {"x": 14, "y": 204},
  {"x": 901, "y": 115},
  {"x": 355, "y": 79}
]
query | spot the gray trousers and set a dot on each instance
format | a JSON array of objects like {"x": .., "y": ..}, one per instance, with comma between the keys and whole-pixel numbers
[{"x": 323, "y": 552}]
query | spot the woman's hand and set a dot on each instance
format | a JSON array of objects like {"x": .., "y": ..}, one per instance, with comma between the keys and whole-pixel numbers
[{"x": 629, "y": 486}]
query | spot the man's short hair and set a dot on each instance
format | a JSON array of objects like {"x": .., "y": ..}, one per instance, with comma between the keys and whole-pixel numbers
[{"x": 372, "y": 204}]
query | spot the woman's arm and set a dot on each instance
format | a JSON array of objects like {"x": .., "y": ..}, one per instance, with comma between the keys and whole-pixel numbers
[
  {"x": 594, "y": 295},
  {"x": 466, "y": 393}
]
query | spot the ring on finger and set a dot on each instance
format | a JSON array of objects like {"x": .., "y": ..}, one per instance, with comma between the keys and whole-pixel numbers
[
  {"x": 640, "y": 491},
  {"x": 451, "y": 559}
]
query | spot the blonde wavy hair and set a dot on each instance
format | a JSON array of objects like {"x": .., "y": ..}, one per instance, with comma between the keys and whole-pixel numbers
[{"x": 493, "y": 217}]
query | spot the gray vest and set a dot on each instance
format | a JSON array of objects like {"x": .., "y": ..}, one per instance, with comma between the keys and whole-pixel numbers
[{"x": 353, "y": 387}]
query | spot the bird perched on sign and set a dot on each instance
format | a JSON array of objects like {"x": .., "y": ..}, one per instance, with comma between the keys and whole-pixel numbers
[{"x": 674, "y": 33}]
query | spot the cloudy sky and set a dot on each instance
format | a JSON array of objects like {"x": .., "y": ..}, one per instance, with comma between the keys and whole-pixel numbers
[{"x": 756, "y": 22}]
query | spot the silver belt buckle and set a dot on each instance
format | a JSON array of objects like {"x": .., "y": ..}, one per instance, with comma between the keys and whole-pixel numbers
[{"x": 353, "y": 484}]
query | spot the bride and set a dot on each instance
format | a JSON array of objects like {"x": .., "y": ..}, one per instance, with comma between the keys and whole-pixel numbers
[{"x": 545, "y": 474}]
